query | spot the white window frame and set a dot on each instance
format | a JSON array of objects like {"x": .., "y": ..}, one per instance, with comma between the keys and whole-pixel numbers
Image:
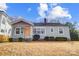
[
  {"x": 51, "y": 29},
  {"x": 20, "y": 31},
  {"x": 42, "y": 29},
  {"x": 15, "y": 31},
  {"x": 9, "y": 31},
  {"x": 21, "y": 28},
  {"x": 38, "y": 30},
  {"x": 3, "y": 31},
  {"x": 59, "y": 31},
  {"x": 3, "y": 20}
]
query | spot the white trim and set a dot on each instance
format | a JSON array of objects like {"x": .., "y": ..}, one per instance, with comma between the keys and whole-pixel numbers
[
  {"x": 59, "y": 30},
  {"x": 15, "y": 31},
  {"x": 51, "y": 31},
  {"x": 20, "y": 30}
]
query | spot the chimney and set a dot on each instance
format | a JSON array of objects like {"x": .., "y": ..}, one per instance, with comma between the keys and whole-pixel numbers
[{"x": 45, "y": 20}]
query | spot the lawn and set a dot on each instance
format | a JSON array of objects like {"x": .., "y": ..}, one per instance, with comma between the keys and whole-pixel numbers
[{"x": 65, "y": 48}]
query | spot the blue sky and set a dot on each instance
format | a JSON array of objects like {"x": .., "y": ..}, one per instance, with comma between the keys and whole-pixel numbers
[
  {"x": 30, "y": 10},
  {"x": 22, "y": 10}
]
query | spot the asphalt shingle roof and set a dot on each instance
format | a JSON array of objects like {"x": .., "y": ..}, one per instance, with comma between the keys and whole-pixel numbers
[{"x": 48, "y": 24}]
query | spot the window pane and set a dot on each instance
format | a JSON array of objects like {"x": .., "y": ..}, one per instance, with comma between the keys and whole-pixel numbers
[
  {"x": 9, "y": 31},
  {"x": 17, "y": 30},
  {"x": 34, "y": 31},
  {"x": 52, "y": 30},
  {"x": 42, "y": 31},
  {"x": 60, "y": 31},
  {"x": 3, "y": 21},
  {"x": 22, "y": 30},
  {"x": 38, "y": 32},
  {"x": 2, "y": 31}
]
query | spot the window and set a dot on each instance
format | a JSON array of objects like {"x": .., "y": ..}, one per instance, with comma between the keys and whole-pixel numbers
[
  {"x": 51, "y": 29},
  {"x": 42, "y": 30},
  {"x": 9, "y": 31},
  {"x": 3, "y": 21},
  {"x": 2, "y": 31},
  {"x": 60, "y": 31},
  {"x": 34, "y": 30},
  {"x": 38, "y": 31},
  {"x": 17, "y": 30},
  {"x": 21, "y": 30}
]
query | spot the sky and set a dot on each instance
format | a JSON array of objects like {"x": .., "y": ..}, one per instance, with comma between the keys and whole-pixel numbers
[{"x": 36, "y": 11}]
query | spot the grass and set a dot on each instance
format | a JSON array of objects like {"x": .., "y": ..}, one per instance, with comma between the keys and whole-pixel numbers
[{"x": 54, "y": 48}]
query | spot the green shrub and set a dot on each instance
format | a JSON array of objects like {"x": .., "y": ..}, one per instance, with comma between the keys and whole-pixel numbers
[
  {"x": 74, "y": 36},
  {"x": 61, "y": 39},
  {"x": 74, "y": 39},
  {"x": 20, "y": 39},
  {"x": 46, "y": 38},
  {"x": 10, "y": 39},
  {"x": 36, "y": 37},
  {"x": 51, "y": 38}
]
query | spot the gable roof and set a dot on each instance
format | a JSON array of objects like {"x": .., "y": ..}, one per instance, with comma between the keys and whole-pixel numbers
[
  {"x": 21, "y": 20},
  {"x": 48, "y": 24}
]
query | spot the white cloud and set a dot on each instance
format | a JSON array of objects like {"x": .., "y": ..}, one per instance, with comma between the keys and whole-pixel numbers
[
  {"x": 44, "y": 6},
  {"x": 42, "y": 9},
  {"x": 59, "y": 12},
  {"x": 3, "y": 6},
  {"x": 54, "y": 11},
  {"x": 29, "y": 9}
]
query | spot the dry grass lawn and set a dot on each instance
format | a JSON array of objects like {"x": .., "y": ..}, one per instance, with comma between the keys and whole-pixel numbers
[{"x": 66, "y": 48}]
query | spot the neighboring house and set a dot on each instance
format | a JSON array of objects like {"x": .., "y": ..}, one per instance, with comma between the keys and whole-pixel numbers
[
  {"x": 24, "y": 29},
  {"x": 5, "y": 25}
]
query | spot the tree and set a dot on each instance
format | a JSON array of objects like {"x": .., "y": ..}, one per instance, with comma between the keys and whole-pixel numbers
[{"x": 73, "y": 31}]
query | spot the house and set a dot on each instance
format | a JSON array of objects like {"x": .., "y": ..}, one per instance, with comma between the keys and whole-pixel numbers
[
  {"x": 5, "y": 25},
  {"x": 24, "y": 29},
  {"x": 51, "y": 30}
]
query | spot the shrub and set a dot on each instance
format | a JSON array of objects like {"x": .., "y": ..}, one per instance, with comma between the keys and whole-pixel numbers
[
  {"x": 74, "y": 39},
  {"x": 74, "y": 36},
  {"x": 36, "y": 37},
  {"x": 46, "y": 38},
  {"x": 51, "y": 38},
  {"x": 20, "y": 39},
  {"x": 4, "y": 38},
  {"x": 61, "y": 39},
  {"x": 10, "y": 39}
]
